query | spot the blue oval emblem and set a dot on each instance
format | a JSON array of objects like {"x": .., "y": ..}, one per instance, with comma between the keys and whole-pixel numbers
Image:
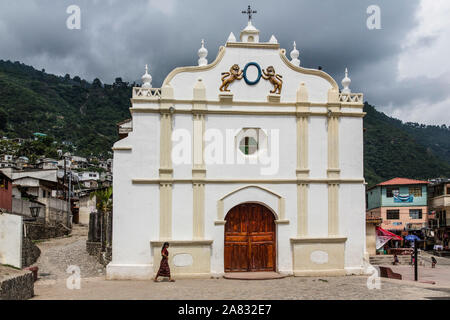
[{"x": 245, "y": 73}]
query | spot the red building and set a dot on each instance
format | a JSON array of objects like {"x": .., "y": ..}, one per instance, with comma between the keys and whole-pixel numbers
[{"x": 5, "y": 192}]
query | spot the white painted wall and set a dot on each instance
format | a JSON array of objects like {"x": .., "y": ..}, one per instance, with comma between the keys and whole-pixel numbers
[
  {"x": 317, "y": 87},
  {"x": 318, "y": 210},
  {"x": 318, "y": 147},
  {"x": 184, "y": 123},
  {"x": 182, "y": 209},
  {"x": 351, "y": 155},
  {"x": 11, "y": 230},
  {"x": 286, "y": 161},
  {"x": 352, "y": 224},
  {"x": 87, "y": 205}
]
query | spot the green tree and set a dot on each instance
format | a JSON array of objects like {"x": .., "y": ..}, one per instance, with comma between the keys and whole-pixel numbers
[
  {"x": 104, "y": 208},
  {"x": 103, "y": 199}
]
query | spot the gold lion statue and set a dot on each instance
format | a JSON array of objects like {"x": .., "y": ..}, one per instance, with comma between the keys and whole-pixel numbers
[
  {"x": 228, "y": 77},
  {"x": 275, "y": 79}
]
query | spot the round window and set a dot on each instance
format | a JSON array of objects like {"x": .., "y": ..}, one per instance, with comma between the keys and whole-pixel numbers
[{"x": 248, "y": 145}]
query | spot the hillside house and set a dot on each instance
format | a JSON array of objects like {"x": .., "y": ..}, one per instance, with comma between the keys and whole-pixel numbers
[
  {"x": 400, "y": 203},
  {"x": 439, "y": 203},
  {"x": 47, "y": 164},
  {"x": 5, "y": 192}
]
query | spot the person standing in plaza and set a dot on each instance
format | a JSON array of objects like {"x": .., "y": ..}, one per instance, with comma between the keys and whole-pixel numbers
[
  {"x": 395, "y": 260},
  {"x": 433, "y": 262},
  {"x": 164, "y": 269}
]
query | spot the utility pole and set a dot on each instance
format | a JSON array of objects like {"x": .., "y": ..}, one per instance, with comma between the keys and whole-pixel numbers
[
  {"x": 415, "y": 261},
  {"x": 69, "y": 211},
  {"x": 64, "y": 179}
]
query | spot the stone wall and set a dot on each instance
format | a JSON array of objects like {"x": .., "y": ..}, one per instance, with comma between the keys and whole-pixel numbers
[
  {"x": 30, "y": 252},
  {"x": 22, "y": 207},
  {"x": 17, "y": 286},
  {"x": 55, "y": 210},
  {"x": 39, "y": 231},
  {"x": 93, "y": 248},
  {"x": 100, "y": 237},
  {"x": 105, "y": 256}
]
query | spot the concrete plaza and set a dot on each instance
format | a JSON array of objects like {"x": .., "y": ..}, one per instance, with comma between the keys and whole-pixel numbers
[
  {"x": 341, "y": 288},
  {"x": 58, "y": 254}
]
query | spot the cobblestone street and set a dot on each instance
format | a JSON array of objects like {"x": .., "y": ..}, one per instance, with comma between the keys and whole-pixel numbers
[
  {"x": 288, "y": 288},
  {"x": 58, "y": 254}
]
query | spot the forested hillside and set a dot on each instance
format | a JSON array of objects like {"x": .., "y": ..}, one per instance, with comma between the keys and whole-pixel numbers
[
  {"x": 76, "y": 111},
  {"x": 70, "y": 109},
  {"x": 392, "y": 150}
]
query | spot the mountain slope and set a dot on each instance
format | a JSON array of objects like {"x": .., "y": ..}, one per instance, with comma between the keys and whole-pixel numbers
[
  {"x": 390, "y": 150},
  {"x": 71, "y": 110},
  {"x": 74, "y": 110}
]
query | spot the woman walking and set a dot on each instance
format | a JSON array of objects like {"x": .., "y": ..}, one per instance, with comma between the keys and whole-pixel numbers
[{"x": 164, "y": 270}]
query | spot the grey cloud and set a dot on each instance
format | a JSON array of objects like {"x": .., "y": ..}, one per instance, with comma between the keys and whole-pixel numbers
[{"x": 118, "y": 37}]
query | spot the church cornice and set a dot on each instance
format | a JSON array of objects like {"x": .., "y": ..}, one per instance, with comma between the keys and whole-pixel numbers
[
  {"x": 315, "y": 72},
  {"x": 248, "y": 181},
  {"x": 353, "y": 100},
  {"x": 178, "y": 70},
  {"x": 356, "y": 105},
  {"x": 252, "y": 45},
  {"x": 253, "y": 112}
]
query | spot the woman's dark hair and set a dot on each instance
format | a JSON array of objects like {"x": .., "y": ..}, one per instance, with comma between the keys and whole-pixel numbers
[{"x": 165, "y": 244}]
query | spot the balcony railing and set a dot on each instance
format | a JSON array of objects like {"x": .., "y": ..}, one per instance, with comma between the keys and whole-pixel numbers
[
  {"x": 147, "y": 93},
  {"x": 373, "y": 217},
  {"x": 351, "y": 98}
]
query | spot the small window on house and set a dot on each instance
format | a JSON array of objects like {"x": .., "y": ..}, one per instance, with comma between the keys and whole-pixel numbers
[
  {"x": 251, "y": 39},
  {"x": 415, "y": 213},
  {"x": 415, "y": 191},
  {"x": 393, "y": 214},
  {"x": 390, "y": 191}
]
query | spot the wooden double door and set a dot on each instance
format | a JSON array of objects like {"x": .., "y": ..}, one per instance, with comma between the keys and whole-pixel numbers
[{"x": 250, "y": 239}]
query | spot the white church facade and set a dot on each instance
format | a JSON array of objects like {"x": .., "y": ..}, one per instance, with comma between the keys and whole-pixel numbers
[{"x": 249, "y": 163}]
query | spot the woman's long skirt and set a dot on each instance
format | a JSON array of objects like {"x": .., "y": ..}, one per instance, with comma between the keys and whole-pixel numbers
[{"x": 164, "y": 270}]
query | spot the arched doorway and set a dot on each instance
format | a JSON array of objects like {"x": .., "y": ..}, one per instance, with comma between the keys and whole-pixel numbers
[{"x": 250, "y": 239}]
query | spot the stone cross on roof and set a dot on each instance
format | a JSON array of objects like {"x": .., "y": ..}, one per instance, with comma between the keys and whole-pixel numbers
[{"x": 249, "y": 12}]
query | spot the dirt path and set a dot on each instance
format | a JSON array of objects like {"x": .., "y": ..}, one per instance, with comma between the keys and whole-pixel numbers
[{"x": 58, "y": 254}]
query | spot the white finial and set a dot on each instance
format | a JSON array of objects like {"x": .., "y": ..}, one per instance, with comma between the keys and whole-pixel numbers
[
  {"x": 146, "y": 79},
  {"x": 294, "y": 56},
  {"x": 273, "y": 39},
  {"x": 202, "y": 53},
  {"x": 346, "y": 83},
  {"x": 231, "y": 37}
]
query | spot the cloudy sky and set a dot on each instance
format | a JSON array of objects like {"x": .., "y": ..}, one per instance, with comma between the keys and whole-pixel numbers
[{"x": 402, "y": 68}]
